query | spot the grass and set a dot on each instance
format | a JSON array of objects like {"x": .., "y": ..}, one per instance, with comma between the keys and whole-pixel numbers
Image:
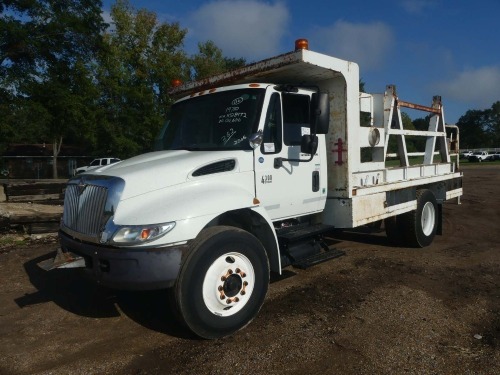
[{"x": 11, "y": 240}]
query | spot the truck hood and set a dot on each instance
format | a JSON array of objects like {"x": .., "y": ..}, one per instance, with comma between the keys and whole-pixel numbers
[{"x": 158, "y": 170}]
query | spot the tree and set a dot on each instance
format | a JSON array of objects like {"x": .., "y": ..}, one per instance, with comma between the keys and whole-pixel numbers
[
  {"x": 495, "y": 124},
  {"x": 48, "y": 49},
  {"x": 475, "y": 128},
  {"x": 210, "y": 61},
  {"x": 140, "y": 59}
]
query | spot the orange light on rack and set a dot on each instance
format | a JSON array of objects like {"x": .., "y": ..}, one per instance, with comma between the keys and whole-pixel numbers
[
  {"x": 301, "y": 44},
  {"x": 176, "y": 82}
]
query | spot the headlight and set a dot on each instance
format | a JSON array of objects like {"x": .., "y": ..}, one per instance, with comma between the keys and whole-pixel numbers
[{"x": 130, "y": 235}]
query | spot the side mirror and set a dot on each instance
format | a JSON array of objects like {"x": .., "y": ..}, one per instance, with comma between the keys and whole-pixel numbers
[
  {"x": 255, "y": 140},
  {"x": 320, "y": 113},
  {"x": 309, "y": 144}
]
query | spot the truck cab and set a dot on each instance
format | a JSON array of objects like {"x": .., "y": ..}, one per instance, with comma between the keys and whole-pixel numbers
[{"x": 263, "y": 124}]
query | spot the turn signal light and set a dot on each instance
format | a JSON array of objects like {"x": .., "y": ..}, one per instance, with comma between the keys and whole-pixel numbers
[{"x": 145, "y": 234}]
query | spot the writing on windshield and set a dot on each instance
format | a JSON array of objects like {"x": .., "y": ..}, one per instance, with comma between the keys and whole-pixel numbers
[{"x": 218, "y": 121}]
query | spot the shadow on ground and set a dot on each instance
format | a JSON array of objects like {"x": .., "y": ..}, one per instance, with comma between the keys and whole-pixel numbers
[{"x": 70, "y": 290}]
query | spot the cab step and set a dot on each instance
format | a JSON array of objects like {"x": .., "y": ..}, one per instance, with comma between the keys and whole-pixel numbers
[
  {"x": 318, "y": 258},
  {"x": 302, "y": 245},
  {"x": 302, "y": 231}
]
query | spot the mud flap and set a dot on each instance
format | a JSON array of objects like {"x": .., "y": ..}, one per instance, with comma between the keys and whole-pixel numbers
[
  {"x": 62, "y": 260},
  {"x": 439, "y": 229}
]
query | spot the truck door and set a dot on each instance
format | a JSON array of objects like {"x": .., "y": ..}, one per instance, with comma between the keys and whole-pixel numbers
[{"x": 294, "y": 188}]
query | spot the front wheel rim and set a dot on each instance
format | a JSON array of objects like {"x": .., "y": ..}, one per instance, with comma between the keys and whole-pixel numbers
[
  {"x": 228, "y": 284},
  {"x": 428, "y": 219}
]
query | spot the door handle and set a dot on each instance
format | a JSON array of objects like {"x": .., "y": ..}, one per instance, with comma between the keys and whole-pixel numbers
[{"x": 315, "y": 181}]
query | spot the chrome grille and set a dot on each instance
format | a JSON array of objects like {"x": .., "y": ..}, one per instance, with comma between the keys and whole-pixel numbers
[{"x": 84, "y": 208}]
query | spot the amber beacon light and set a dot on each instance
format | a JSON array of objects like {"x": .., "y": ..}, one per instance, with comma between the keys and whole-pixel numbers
[
  {"x": 176, "y": 82},
  {"x": 301, "y": 44}
]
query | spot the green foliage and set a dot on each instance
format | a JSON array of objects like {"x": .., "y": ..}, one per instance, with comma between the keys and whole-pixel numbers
[
  {"x": 140, "y": 59},
  {"x": 47, "y": 51},
  {"x": 142, "y": 56},
  {"x": 209, "y": 61},
  {"x": 65, "y": 75},
  {"x": 480, "y": 128}
]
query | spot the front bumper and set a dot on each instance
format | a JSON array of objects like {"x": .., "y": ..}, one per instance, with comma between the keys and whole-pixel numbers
[{"x": 127, "y": 268}]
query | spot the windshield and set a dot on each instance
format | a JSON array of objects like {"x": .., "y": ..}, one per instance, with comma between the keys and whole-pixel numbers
[{"x": 219, "y": 121}]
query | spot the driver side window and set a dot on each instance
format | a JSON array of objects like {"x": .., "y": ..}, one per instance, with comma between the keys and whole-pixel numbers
[
  {"x": 271, "y": 137},
  {"x": 295, "y": 118}
]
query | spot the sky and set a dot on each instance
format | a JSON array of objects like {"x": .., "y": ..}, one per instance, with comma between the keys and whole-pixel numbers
[{"x": 424, "y": 47}]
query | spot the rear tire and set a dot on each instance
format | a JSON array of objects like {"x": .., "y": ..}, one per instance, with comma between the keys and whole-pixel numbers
[
  {"x": 222, "y": 283},
  {"x": 420, "y": 225}
]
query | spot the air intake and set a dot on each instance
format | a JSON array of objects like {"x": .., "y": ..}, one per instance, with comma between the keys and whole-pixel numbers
[{"x": 218, "y": 167}]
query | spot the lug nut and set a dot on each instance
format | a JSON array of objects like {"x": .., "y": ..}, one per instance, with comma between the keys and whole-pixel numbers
[{"x": 228, "y": 301}]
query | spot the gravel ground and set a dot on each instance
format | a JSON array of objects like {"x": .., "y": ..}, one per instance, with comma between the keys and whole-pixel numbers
[{"x": 379, "y": 309}]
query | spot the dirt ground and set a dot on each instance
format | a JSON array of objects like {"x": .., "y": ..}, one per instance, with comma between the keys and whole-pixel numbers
[{"x": 378, "y": 309}]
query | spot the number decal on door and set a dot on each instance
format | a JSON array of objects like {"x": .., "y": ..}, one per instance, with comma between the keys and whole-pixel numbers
[{"x": 267, "y": 179}]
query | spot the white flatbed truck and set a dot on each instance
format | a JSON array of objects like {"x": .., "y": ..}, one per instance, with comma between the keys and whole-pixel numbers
[{"x": 252, "y": 167}]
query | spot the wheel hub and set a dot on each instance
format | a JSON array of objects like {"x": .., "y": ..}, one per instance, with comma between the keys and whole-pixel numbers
[
  {"x": 428, "y": 218},
  {"x": 232, "y": 285},
  {"x": 232, "y": 278}
]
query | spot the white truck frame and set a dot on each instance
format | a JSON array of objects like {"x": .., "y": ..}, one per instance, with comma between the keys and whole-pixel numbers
[{"x": 211, "y": 224}]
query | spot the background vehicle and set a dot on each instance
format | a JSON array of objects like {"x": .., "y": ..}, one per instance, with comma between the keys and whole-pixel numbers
[
  {"x": 478, "y": 156},
  {"x": 96, "y": 163},
  {"x": 494, "y": 156},
  {"x": 252, "y": 167},
  {"x": 466, "y": 154}
]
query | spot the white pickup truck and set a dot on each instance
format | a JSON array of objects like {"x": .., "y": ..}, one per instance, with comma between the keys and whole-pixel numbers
[
  {"x": 96, "y": 163},
  {"x": 478, "y": 156},
  {"x": 466, "y": 154}
]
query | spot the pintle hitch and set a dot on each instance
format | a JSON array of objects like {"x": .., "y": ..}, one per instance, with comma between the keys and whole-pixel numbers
[{"x": 62, "y": 260}]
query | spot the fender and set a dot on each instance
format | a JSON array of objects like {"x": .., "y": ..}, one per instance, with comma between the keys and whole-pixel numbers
[
  {"x": 191, "y": 205},
  {"x": 272, "y": 247}
]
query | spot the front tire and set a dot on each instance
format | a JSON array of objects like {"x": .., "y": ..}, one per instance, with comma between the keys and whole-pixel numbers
[{"x": 222, "y": 282}]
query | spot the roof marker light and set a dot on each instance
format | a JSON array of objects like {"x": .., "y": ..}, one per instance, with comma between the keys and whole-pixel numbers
[
  {"x": 301, "y": 44},
  {"x": 176, "y": 82}
]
